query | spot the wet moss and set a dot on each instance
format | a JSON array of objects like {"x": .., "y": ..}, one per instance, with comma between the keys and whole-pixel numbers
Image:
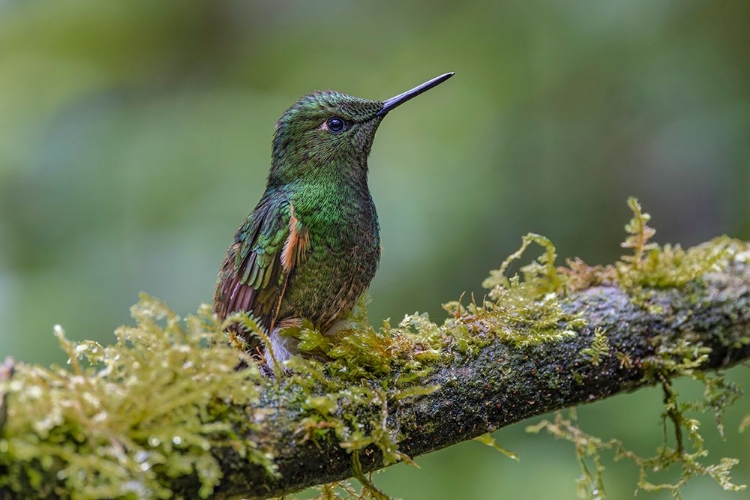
[
  {"x": 649, "y": 268},
  {"x": 345, "y": 386},
  {"x": 127, "y": 418}
]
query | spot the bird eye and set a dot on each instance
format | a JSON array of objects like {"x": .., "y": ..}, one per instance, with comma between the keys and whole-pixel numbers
[{"x": 336, "y": 125}]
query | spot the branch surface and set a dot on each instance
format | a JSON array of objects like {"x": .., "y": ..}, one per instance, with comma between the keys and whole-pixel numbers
[
  {"x": 504, "y": 384},
  {"x": 643, "y": 338}
]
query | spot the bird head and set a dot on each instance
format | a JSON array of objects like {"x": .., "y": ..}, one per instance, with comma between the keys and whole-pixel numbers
[{"x": 328, "y": 134}]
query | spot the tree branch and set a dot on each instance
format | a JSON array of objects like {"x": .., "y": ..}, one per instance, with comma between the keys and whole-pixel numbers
[
  {"x": 504, "y": 384},
  {"x": 644, "y": 335}
]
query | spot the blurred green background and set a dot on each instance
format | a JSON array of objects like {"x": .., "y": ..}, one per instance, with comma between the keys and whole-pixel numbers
[{"x": 135, "y": 136}]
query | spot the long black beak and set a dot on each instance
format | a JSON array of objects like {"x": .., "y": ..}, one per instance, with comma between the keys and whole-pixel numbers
[{"x": 394, "y": 102}]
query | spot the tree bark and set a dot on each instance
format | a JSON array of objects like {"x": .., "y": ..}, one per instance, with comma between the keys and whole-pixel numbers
[{"x": 503, "y": 383}]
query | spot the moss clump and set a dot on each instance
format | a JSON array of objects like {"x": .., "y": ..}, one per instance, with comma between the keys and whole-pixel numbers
[
  {"x": 357, "y": 350},
  {"x": 687, "y": 452},
  {"x": 340, "y": 379},
  {"x": 523, "y": 310},
  {"x": 346, "y": 384},
  {"x": 125, "y": 443},
  {"x": 651, "y": 265},
  {"x": 599, "y": 348},
  {"x": 670, "y": 266}
]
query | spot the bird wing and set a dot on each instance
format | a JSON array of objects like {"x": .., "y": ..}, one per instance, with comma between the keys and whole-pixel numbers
[{"x": 268, "y": 246}]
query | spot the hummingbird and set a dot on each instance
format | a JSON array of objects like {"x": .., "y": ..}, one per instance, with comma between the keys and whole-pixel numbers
[{"x": 311, "y": 246}]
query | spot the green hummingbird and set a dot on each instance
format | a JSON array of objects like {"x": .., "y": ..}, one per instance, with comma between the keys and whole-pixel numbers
[{"x": 311, "y": 246}]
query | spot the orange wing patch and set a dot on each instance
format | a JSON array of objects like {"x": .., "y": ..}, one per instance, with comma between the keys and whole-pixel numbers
[
  {"x": 292, "y": 255},
  {"x": 295, "y": 246}
]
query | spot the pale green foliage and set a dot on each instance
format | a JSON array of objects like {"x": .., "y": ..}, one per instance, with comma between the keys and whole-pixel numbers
[
  {"x": 358, "y": 350},
  {"x": 520, "y": 311},
  {"x": 340, "y": 382},
  {"x": 669, "y": 266},
  {"x": 687, "y": 454},
  {"x": 149, "y": 408},
  {"x": 651, "y": 265},
  {"x": 745, "y": 424},
  {"x": 590, "y": 485},
  {"x": 683, "y": 359},
  {"x": 344, "y": 490},
  {"x": 527, "y": 311},
  {"x": 488, "y": 440},
  {"x": 599, "y": 347},
  {"x": 129, "y": 445},
  {"x": 588, "y": 448},
  {"x": 639, "y": 234},
  {"x": 540, "y": 275}
]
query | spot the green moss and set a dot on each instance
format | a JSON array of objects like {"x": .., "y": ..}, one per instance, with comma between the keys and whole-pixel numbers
[
  {"x": 126, "y": 445},
  {"x": 358, "y": 351},
  {"x": 669, "y": 266},
  {"x": 590, "y": 483},
  {"x": 527, "y": 310},
  {"x": 345, "y": 393},
  {"x": 522, "y": 310},
  {"x": 685, "y": 449},
  {"x": 647, "y": 268},
  {"x": 340, "y": 378},
  {"x": 599, "y": 348},
  {"x": 651, "y": 266},
  {"x": 488, "y": 440},
  {"x": 589, "y": 450}
]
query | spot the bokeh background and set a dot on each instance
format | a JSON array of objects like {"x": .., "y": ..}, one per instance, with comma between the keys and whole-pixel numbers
[{"x": 135, "y": 136}]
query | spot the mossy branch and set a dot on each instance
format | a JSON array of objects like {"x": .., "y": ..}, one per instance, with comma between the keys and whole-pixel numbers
[{"x": 167, "y": 413}]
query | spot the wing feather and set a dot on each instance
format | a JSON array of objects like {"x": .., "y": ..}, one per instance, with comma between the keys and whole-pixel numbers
[{"x": 255, "y": 271}]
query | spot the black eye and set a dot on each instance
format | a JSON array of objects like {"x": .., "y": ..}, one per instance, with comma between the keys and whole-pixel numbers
[{"x": 336, "y": 125}]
